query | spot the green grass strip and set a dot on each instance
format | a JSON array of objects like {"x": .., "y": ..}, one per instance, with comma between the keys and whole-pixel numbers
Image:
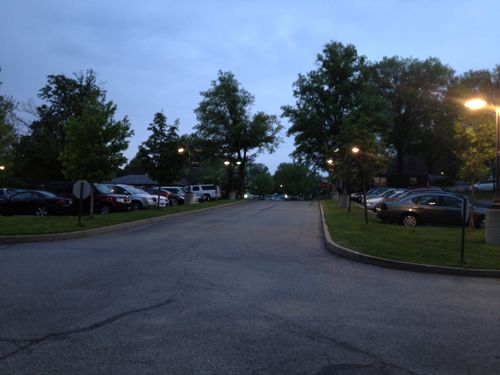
[
  {"x": 29, "y": 225},
  {"x": 426, "y": 244}
]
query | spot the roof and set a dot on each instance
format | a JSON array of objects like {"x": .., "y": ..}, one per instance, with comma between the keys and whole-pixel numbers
[{"x": 134, "y": 179}]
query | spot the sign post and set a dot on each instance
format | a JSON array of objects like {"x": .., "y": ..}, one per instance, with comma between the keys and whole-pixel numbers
[{"x": 81, "y": 190}]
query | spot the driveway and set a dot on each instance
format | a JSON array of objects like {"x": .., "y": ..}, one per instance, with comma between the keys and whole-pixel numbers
[{"x": 245, "y": 289}]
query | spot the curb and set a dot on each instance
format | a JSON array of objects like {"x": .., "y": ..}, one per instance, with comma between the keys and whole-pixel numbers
[
  {"x": 344, "y": 252},
  {"x": 8, "y": 240}
]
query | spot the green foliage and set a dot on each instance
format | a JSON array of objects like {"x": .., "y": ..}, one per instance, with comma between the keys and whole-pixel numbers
[
  {"x": 53, "y": 138},
  {"x": 94, "y": 142},
  {"x": 262, "y": 184},
  {"x": 336, "y": 105},
  {"x": 159, "y": 153},
  {"x": 8, "y": 138},
  {"x": 228, "y": 128},
  {"x": 419, "y": 123},
  {"x": 295, "y": 179}
]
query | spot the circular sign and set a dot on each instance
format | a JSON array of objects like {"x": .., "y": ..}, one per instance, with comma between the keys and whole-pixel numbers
[{"x": 81, "y": 187}]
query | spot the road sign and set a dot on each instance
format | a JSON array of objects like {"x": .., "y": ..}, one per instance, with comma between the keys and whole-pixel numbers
[{"x": 81, "y": 189}]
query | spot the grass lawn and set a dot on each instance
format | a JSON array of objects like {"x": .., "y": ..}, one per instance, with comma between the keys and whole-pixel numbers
[
  {"x": 427, "y": 244},
  {"x": 22, "y": 225}
]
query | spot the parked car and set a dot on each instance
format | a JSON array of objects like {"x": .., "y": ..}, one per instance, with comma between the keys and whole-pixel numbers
[
  {"x": 371, "y": 203},
  {"x": 104, "y": 200},
  {"x": 178, "y": 193},
  {"x": 373, "y": 192},
  {"x": 166, "y": 194},
  {"x": 35, "y": 202},
  {"x": 139, "y": 199},
  {"x": 425, "y": 208},
  {"x": 484, "y": 185},
  {"x": 204, "y": 192}
]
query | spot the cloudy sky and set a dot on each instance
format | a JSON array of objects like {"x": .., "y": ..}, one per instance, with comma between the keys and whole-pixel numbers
[{"x": 154, "y": 55}]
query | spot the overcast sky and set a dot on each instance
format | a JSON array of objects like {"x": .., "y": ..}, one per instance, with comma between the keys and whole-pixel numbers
[{"x": 158, "y": 55}]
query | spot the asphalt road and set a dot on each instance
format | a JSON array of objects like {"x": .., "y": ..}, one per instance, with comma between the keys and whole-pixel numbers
[{"x": 246, "y": 289}]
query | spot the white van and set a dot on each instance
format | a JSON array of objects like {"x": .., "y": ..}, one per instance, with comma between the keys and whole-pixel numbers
[{"x": 204, "y": 192}]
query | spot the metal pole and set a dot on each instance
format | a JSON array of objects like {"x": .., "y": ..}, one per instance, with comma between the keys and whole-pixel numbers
[
  {"x": 80, "y": 205},
  {"x": 364, "y": 194},
  {"x": 464, "y": 223}
]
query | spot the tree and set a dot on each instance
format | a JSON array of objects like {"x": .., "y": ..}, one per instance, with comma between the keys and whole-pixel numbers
[
  {"x": 94, "y": 142},
  {"x": 419, "y": 122},
  {"x": 330, "y": 101},
  {"x": 229, "y": 129},
  {"x": 160, "y": 154},
  {"x": 65, "y": 98},
  {"x": 8, "y": 138},
  {"x": 295, "y": 179},
  {"x": 262, "y": 184}
]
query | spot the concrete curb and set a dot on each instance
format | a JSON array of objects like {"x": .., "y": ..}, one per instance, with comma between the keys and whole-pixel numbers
[
  {"x": 344, "y": 252},
  {"x": 5, "y": 240}
]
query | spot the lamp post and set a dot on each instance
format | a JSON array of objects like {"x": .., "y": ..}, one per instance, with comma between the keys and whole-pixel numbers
[
  {"x": 492, "y": 222},
  {"x": 356, "y": 150},
  {"x": 227, "y": 163}
]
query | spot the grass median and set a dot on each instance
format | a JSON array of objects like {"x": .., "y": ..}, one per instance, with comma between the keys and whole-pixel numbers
[
  {"x": 30, "y": 225},
  {"x": 426, "y": 244}
]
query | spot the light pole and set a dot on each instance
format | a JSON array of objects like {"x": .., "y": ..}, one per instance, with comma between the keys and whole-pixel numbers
[
  {"x": 492, "y": 222},
  {"x": 356, "y": 150}
]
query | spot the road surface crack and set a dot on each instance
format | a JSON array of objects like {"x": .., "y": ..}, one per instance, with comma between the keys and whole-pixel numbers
[{"x": 27, "y": 343}]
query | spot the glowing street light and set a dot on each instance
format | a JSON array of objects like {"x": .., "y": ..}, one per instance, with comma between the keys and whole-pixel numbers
[
  {"x": 180, "y": 150},
  {"x": 330, "y": 161},
  {"x": 2, "y": 167},
  {"x": 226, "y": 162},
  {"x": 491, "y": 233},
  {"x": 355, "y": 150}
]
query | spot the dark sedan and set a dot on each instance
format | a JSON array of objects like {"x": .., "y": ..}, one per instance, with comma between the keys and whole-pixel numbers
[
  {"x": 35, "y": 202},
  {"x": 424, "y": 208}
]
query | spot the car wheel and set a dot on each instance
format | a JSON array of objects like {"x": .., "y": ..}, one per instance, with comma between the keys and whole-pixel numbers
[
  {"x": 479, "y": 224},
  {"x": 104, "y": 209},
  {"x": 136, "y": 205},
  {"x": 41, "y": 211},
  {"x": 409, "y": 220},
  {"x": 206, "y": 197}
]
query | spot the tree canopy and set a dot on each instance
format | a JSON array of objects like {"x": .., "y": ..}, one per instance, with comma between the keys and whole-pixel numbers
[{"x": 229, "y": 129}]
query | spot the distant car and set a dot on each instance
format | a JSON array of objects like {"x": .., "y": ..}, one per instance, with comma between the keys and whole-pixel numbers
[
  {"x": 371, "y": 203},
  {"x": 35, "y": 202},
  {"x": 178, "y": 193},
  {"x": 139, "y": 199},
  {"x": 484, "y": 185},
  {"x": 425, "y": 208},
  {"x": 205, "y": 192}
]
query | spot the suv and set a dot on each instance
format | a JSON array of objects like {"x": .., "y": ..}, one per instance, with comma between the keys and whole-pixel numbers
[
  {"x": 204, "y": 192},
  {"x": 104, "y": 200}
]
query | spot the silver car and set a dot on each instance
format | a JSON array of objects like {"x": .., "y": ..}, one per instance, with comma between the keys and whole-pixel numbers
[{"x": 139, "y": 198}]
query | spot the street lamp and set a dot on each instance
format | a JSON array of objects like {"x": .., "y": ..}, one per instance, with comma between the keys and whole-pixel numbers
[
  {"x": 492, "y": 216},
  {"x": 356, "y": 150},
  {"x": 476, "y": 104},
  {"x": 2, "y": 167},
  {"x": 180, "y": 150}
]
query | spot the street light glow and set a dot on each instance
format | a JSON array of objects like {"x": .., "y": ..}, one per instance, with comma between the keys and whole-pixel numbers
[
  {"x": 355, "y": 150},
  {"x": 226, "y": 162},
  {"x": 330, "y": 161},
  {"x": 180, "y": 150},
  {"x": 238, "y": 162},
  {"x": 475, "y": 104},
  {"x": 2, "y": 167}
]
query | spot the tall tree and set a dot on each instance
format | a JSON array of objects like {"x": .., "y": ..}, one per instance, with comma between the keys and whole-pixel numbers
[
  {"x": 8, "y": 138},
  {"x": 416, "y": 90},
  {"x": 160, "y": 152},
  {"x": 229, "y": 129},
  {"x": 330, "y": 100},
  {"x": 295, "y": 179},
  {"x": 95, "y": 141},
  {"x": 38, "y": 153}
]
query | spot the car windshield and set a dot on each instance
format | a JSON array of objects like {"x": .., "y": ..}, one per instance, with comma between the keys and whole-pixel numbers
[
  {"x": 46, "y": 194},
  {"x": 102, "y": 189}
]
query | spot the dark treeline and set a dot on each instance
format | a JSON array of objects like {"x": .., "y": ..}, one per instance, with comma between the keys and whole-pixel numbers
[{"x": 391, "y": 109}]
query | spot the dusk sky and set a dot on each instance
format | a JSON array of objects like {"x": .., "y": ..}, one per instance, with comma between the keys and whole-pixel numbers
[{"x": 158, "y": 55}]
